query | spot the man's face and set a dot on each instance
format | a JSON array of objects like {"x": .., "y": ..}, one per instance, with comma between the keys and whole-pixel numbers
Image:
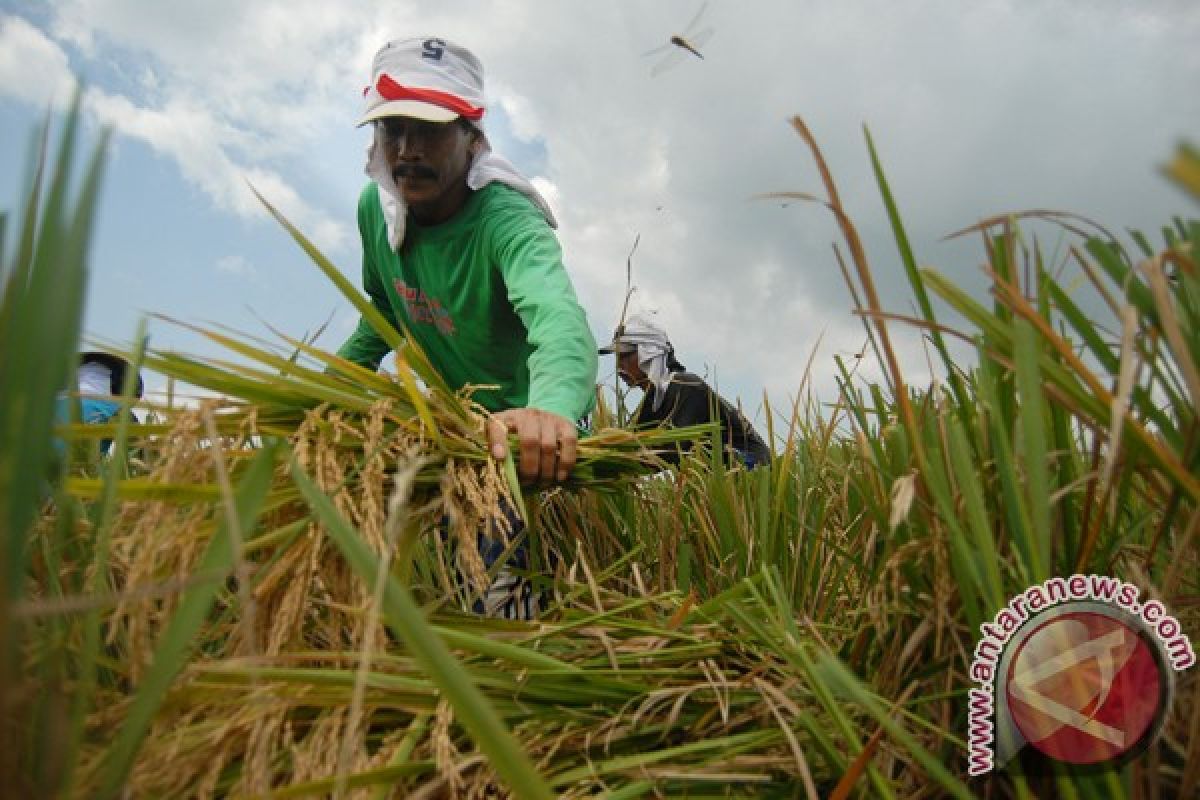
[
  {"x": 429, "y": 162},
  {"x": 629, "y": 369}
]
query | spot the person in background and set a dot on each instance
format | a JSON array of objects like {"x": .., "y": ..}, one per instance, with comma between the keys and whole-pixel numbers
[
  {"x": 100, "y": 380},
  {"x": 459, "y": 251},
  {"x": 675, "y": 397}
]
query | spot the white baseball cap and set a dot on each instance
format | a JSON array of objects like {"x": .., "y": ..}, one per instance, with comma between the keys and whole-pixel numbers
[{"x": 424, "y": 78}]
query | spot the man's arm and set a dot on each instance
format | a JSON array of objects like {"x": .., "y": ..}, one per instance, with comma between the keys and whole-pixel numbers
[
  {"x": 365, "y": 346},
  {"x": 562, "y": 367}
]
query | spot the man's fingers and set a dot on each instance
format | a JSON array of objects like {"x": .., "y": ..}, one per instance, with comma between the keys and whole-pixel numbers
[
  {"x": 549, "y": 451},
  {"x": 530, "y": 448},
  {"x": 546, "y": 443},
  {"x": 497, "y": 433},
  {"x": 566, "y": 452}
]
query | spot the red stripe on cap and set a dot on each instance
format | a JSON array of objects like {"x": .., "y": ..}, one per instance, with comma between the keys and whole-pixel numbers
[{"x": 390, "y": 90}]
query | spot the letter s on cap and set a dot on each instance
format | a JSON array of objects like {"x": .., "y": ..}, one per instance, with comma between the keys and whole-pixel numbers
[{"x": 433, "y": 49}]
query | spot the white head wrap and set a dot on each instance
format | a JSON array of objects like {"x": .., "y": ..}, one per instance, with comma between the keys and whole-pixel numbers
[
  {"x": 94, "y": 379},
  {"x": 653, "y": 351}
]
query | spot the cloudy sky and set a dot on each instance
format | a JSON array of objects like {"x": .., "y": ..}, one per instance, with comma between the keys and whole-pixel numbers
[{"x": 976, "y": 108}]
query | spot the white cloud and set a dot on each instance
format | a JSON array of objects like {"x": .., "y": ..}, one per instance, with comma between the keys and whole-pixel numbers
[
  {"x": 201, "y": 145},
  {"x": 548, "y": 191},
  {"x": 328, "y": 234},
  {"x": 236, "y": 265},
  {"x": 526, "y": 122},
  {"x": 214, "y": 130},
  {"x": 32, "y": 67}
]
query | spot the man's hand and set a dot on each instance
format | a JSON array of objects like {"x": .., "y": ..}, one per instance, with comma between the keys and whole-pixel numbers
[{"x": 546, "y": 443}]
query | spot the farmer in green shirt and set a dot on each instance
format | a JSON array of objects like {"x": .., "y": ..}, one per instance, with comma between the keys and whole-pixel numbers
[{"x": 459, "y": 247}]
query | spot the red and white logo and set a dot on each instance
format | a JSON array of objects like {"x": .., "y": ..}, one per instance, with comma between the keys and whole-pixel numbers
[
  {"x": 1086, "y": 687},
  {"x": 1076, "y": 667}
]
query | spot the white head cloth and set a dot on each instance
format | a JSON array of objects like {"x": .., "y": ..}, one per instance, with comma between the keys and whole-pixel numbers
[
  {"x": 94, "y": 379},
  {"x": 653, "y": 348}
]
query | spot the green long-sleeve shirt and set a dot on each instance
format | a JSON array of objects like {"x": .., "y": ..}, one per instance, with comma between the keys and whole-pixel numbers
[{"x": 487, "y": 297}]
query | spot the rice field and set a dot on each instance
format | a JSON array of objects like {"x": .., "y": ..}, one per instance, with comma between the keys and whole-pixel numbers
[{"x": 257, "y": 597}]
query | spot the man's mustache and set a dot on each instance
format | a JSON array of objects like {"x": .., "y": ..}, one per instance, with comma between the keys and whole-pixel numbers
[{"x": 413, "y": 171}]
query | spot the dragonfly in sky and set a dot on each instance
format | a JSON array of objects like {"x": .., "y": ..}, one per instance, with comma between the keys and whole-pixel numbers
[{"x": 694, "y": 37}]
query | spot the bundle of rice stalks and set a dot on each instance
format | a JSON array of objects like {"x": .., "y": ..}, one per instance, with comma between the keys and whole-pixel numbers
[{"x": 646, "y": 695}]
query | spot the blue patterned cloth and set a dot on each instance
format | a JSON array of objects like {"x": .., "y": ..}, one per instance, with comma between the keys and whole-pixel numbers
[
  {"x": 92, "y": 411},
  {"x": 511, "y": 594}
]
